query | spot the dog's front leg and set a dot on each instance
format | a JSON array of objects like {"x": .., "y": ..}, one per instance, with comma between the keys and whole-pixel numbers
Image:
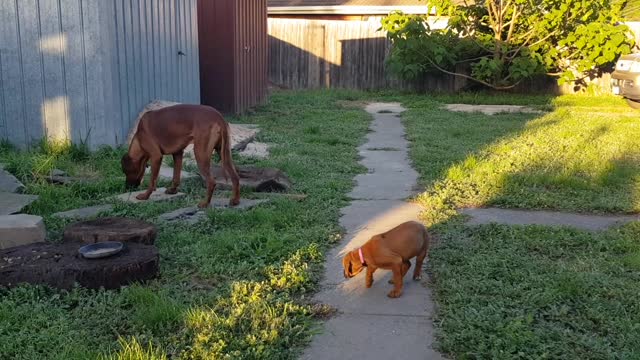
[
  {"x": 155, "y": 170},
  {"x": 369, "y": 277},
  {"x": 177, "y": 168},
  {"x": 397, "y": 281}
]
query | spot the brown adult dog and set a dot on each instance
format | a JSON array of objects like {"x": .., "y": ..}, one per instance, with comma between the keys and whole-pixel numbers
[
  {"x": 169, "y": 131},
  {"x": 390, "y": 250}
]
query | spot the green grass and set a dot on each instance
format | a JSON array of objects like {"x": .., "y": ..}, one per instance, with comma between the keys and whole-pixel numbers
[
  {"x": 231, "y": 286},
  {"x": 531, "y": 292},
  {"x": 582, "y": 156}
]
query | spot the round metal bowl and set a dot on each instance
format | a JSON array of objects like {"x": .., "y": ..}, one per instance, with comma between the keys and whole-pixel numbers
[{"x": 101, "y": 249}]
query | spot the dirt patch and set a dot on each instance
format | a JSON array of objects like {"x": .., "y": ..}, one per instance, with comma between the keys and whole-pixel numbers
[{"x": 60, "y": 266}]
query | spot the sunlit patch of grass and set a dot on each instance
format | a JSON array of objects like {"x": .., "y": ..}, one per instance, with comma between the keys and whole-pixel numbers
[
  {"x": 131, "y": 349},
  {"x": 571, "y": 159}
]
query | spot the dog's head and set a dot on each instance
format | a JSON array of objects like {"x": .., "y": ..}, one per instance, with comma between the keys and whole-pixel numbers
[
  {"x": 352, "y": 264},
  {"x": 133, "y": 171}
]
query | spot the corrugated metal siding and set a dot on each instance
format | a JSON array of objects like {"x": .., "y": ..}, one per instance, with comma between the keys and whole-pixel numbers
[
  {"x": 252, "y": 52},
  {"x": 83, "y": 69},
  {"x": 233, "y": 53},
  {"x": 151, "y": 36}
]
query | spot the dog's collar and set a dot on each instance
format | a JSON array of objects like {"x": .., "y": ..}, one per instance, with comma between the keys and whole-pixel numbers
[{"x": 364, "y": 263}]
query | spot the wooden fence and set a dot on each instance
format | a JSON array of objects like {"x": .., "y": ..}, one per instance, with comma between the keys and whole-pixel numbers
[{"x": 308, "y": 54}]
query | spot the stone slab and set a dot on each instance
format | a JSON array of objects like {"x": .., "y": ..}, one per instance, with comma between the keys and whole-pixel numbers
[
  {"x": 374, "y": 337},
  {"x": 381, "y": 108},
  {"x": 84, "y": 213},
  {"x": 22, "y": 229},
  {"x": 194, "y": 214},
  {"x": 166, "y": 173},
  {"x": 157, "y": 195},
  {"x": 256, "y": 150},
  {"x": 385, "y": 186},
  {"x": 491, "y": 109},
  {"x": 546, "y": 218},
  {"x": 11, "y": 203},
  {"x": 9, "y": 183}
]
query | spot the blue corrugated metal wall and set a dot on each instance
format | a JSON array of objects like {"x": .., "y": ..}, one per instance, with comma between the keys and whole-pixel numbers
[{"x": 83, "y": 69}]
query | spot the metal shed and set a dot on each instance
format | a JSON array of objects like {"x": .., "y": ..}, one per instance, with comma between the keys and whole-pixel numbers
[
  {"x": 83, "y": 69},
  {"x": 233, "y": 53}
]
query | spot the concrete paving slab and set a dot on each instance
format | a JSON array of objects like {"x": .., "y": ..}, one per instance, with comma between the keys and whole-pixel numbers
[
  {"x": 491, "y": 109},
  {"x": 374, "y": 337},
  {"x": 11, "y": 203},
  {"x": 84, "y": 213},
  {"x": 385, "y": 186},
  {"x": 22, "y": 229},
  {"x": 157, "y": 195},
  {"x": 546, "y": 218},
  {"x": 381, "y": 108}
]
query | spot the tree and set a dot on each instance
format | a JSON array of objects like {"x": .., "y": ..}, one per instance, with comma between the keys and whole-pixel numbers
[{"x": 504, "y": 42}]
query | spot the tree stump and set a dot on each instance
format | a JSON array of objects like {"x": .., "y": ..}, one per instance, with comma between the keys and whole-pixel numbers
[
  {"x": 60, "y": 266},
  {"x": 111, "y": 229}
]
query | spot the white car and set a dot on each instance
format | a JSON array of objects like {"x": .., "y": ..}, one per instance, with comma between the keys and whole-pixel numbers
[{"x": 625, "y": 80}]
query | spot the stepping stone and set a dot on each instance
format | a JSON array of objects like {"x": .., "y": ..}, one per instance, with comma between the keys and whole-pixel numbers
[
  {"x": 256, "y": 150},
  {"x": 60, "y": 266},
  {"x": 111, "y": 229},
  {"x": 255, "y": 178},
  {"x": 16, "y": 230},
  {"x": 157, "y": 195},
  {"x": 382, "y": 108},
  {"x": 194, "y": 214},
  {"x": 84, "y": 213},
  {"x": 166, "y": 173},
  {"x": 491, "y": 109},
  {"x": 294, "y": 197},
  {"x": 11, "y": 203},
  {"x": 546, "y": 218},
  {"x": 8, "y": 182}
]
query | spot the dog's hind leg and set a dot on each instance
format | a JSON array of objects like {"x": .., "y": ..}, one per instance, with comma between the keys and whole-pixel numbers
[
  {"x": 177, "y": 168},
  {"x": 419, "y": 260},
  {"x": 406, "y": 264},
  {"x": 397, "y": 279},
  {"x": 203, "y": 153},
  {"x": 156, "y": 162}
]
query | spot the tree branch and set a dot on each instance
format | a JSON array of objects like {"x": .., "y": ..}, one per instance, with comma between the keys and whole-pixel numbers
[{"x": 472, "y": 78}]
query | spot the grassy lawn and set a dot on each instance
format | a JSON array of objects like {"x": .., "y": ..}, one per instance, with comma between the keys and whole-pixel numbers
[
  {"x": 236, "y": 285},
  {"x": 232, "y": 286},
  {"x": 532, "y": 292}
]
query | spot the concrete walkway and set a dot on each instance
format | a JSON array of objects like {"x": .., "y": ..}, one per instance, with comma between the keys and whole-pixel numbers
[
  {"x": 369, "y": 325},
  {"x": 547, "y": 218}
]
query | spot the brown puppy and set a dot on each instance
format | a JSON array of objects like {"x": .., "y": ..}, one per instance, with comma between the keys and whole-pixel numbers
[
  {"x": 169, "y": 131},
  {"x": 390, "y": 250}
]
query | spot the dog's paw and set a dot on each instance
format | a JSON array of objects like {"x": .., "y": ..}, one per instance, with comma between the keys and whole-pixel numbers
[
  {"x": 368, "y": 284},
  {"x": 394, "y": 294},
  {"x": 417, "y": 278},
  {"x": 203, "y": 205},
  {"x": 171, "y": 191},
  {"x": 143, "y": 196},
  {"x": 234, "y": 202}
]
